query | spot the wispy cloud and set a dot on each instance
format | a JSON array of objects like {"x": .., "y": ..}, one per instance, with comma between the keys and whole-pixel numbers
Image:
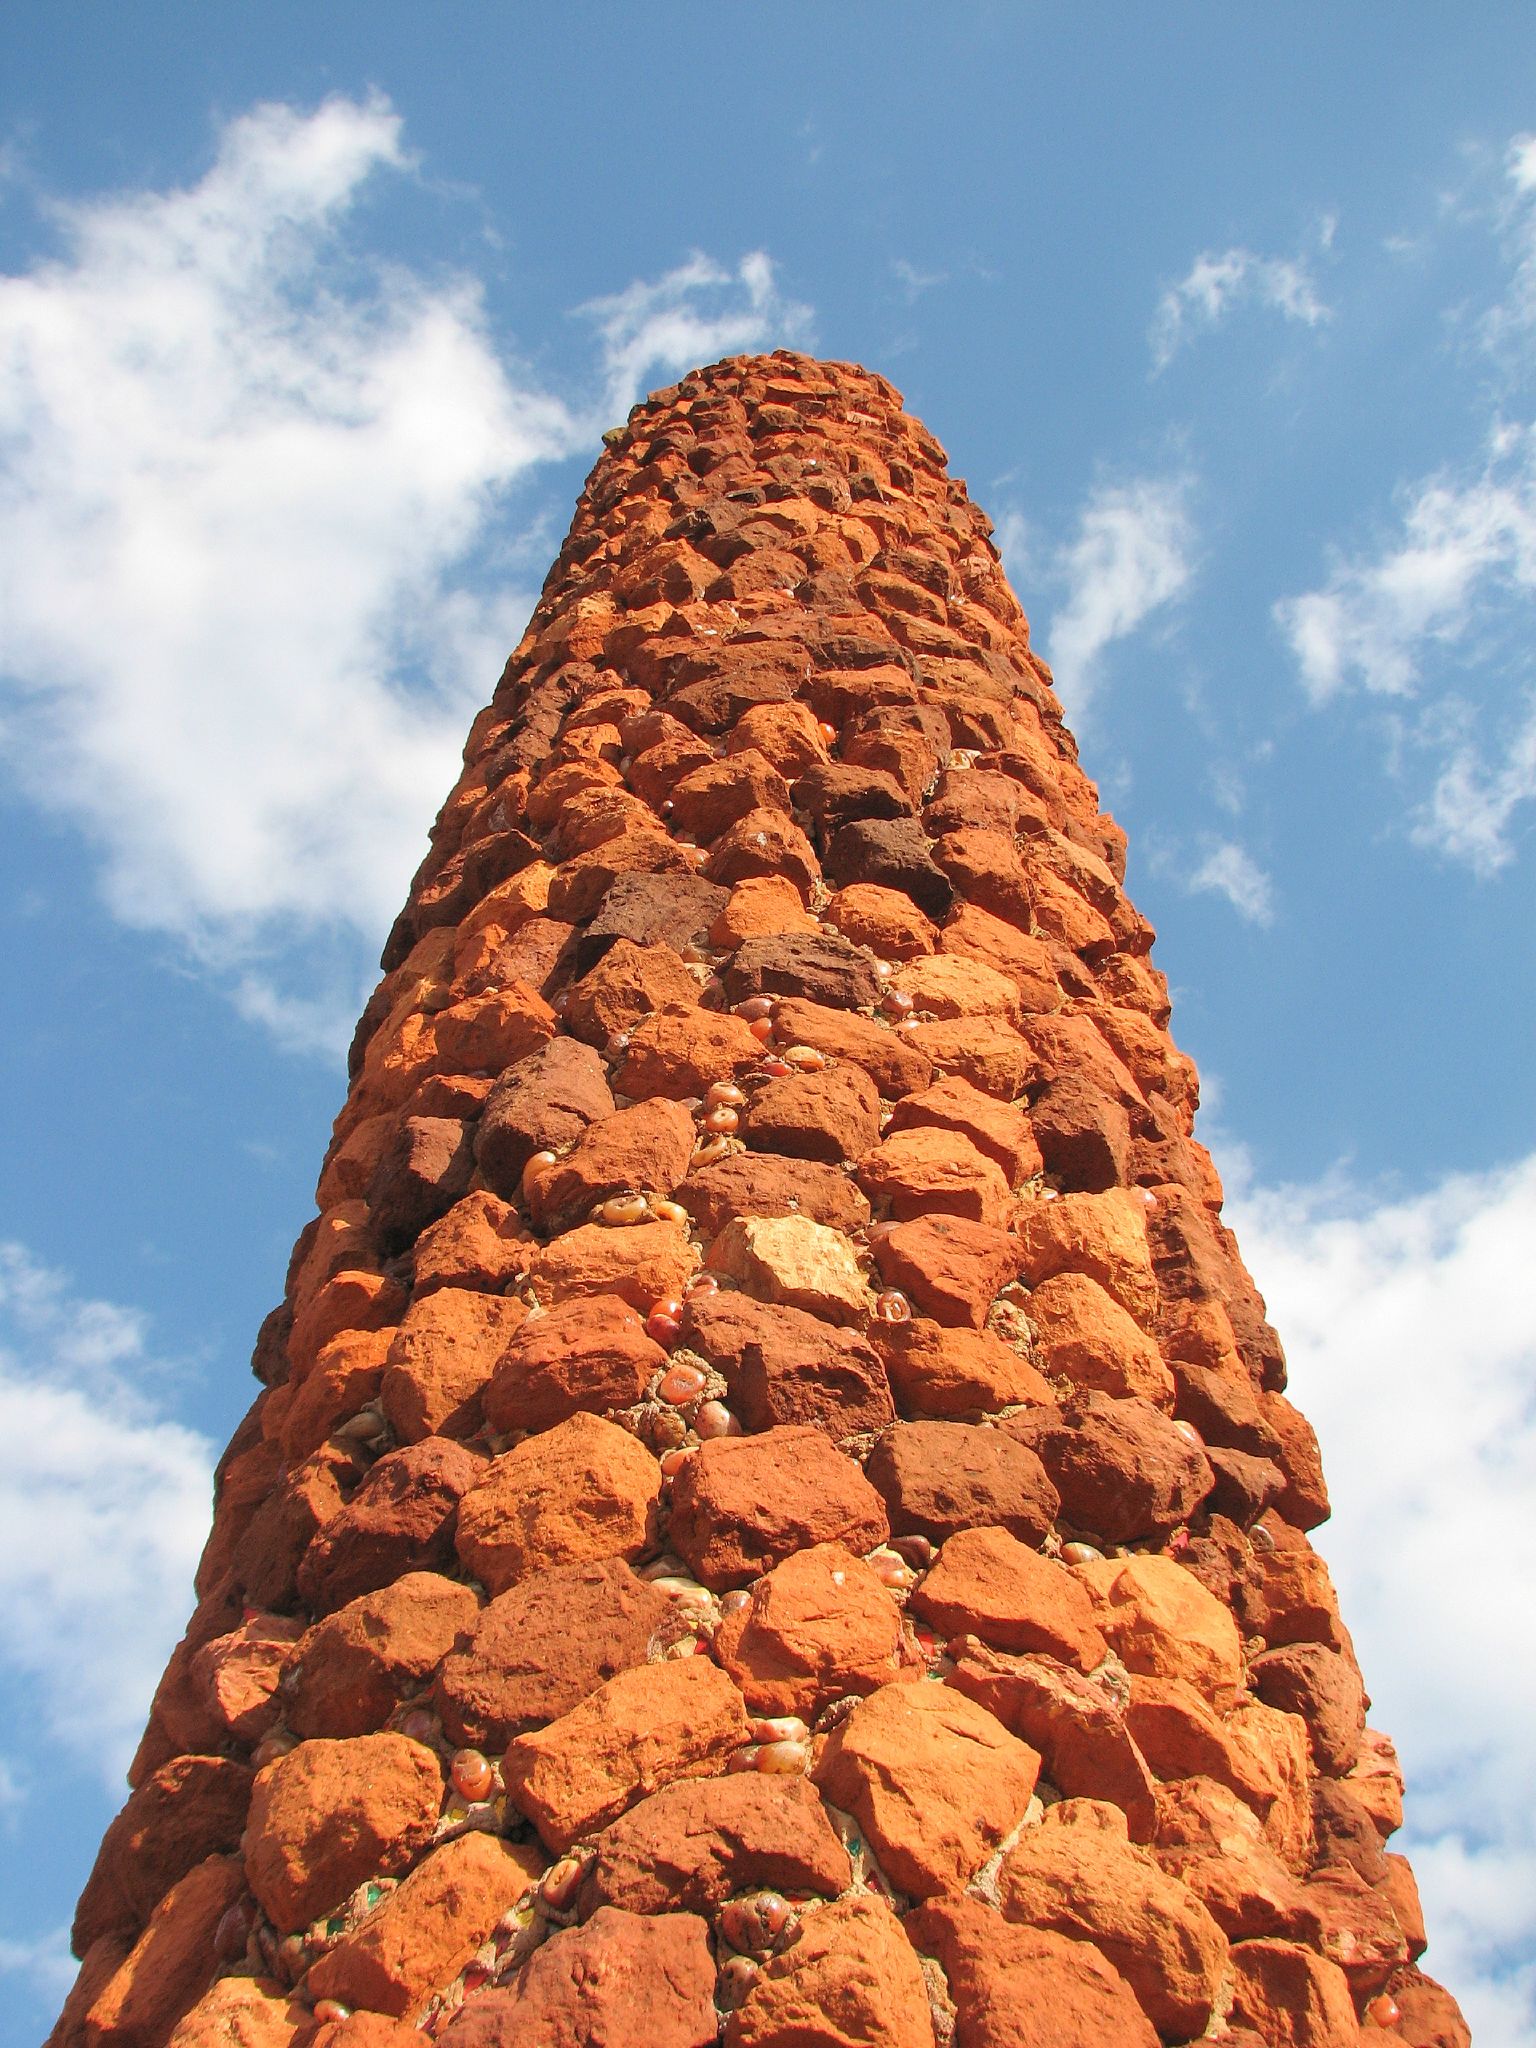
[
  {"x": 1227, "y": 870},
  {"x": 691, "y": 316},
  {"x": 1471, "y": 809},
  {"x": 1218, "y": 282},
  {"x": 1411, "y": 1330},
  {"x": 1457, "y": 577},
  {"x": 13, "y": 1791},
  {"x": 1511, "y": 319},
  {"x": 1015, "y": 540},
  {"x": 46, "y": 1962},
  {"x": 915, "y": 282},
  {"x": 103, "y": 1509},
  {"x": 1436, "y": 616},
  {"x": 253, "y": 559},
  {"x": 1131, "y": 556},
  {"x": 1460, "y": 543}
]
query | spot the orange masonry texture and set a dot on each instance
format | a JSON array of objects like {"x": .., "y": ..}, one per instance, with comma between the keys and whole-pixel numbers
[{"x": 772, "y": 1512}]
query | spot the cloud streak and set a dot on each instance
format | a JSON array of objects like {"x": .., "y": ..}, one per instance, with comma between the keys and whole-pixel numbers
[
  {"x": 1444, "y": 608},
  {"x": 1131, "y": 557},
  {"x": 1228, "y": 870},
  {"x": 1217, "y": 283},
  {"x": 1461, "y": 544},
  {"x": 1436, "y": 617},
  {"x": 694, "y": 314}
]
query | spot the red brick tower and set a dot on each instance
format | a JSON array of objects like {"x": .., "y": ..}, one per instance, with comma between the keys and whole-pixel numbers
[{"x": 772, "y": 1509}]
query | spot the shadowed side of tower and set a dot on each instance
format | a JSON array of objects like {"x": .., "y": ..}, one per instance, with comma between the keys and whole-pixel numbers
[{"x": 772, "y": 1508}]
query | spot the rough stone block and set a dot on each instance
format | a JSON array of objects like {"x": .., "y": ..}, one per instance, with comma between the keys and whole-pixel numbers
[
  {"x": 1024, "y": 1987},
  {"x": 832, "y": 1116},
  {"x": 401, "y": 1519},
  {"x": 955, "y": 1375},
  {"x": 353, "y": 1668},
  {"x": 886, "y": 921},
  {"x": 949, "y": 1267},
  {"x": 624, "y": 1979},
  {"x": 889, "y": 1058},
  {"x": 540, "y": 1103},
  {"x": 645, "y": 1147},
  {"x": 937, "y": 1478},
  {"x": 1124, "y": 1472},
  {"x": 629, "y": 984},
  {"x": 170, "y": 1964},
  {"x": 643, "y": 1264},
  {"x": 537, "y": 1650},
  {"x": 582, "y": 1490},
  {"x": 792, "y": 1261},
  {"x": 330, "y": 1814},
  {"x": 782, "y": 1365},
  {"x": 1077, "y": 1723},
  {"x": 1102, "y": 1235},
  {"x": 1083, "y": 1335},
  {"x": 741, "y": 1505},
  {"x": 641, "y": 1730},
  {"x": 998, "y": 1130},
  {"x": 1160, "y": 1620},
  {"x": 1083, "y": 1883},
  {"x": 442, "y": 1357},
  {"x": 691, "y": 1845},
  {"x": 1291, "y": 1997},
  {"x": 765, "y": 1184},
  {"x": 935, "y": 1782},
  {"x": 817, "y": 1627},
  {"x": 188, "y": 1810},
  {"x": 849, "y": 1978},
  {"x": 989, "y": 1584},
  {"x": 682, "y": 1053},
  {"x": 589, "y": 1353},
  {"x": 426, "y": 1931},
  {"x": 928, "y": 1172}
]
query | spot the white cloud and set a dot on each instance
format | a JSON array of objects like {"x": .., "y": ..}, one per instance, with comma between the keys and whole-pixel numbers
[
  {"x": 1014, "y": 539},
  {"x": 104, "y": 1506},
  {"x": 1217, "y": 283},
  {"x": 1131, "y": 556},
  {"x": 1457, "y": 580},
  {"x": 252, "y": 476},
  {"x": 650, "y": 327},
  {"x": 1471, "y": 808},
  {"x": 1522, "y": 163},
  {"x": 13, "y": 1790},
  {"x": 1411, "y": 1330},
  {"x": 1440, "y": 609},
  {"x": 1227, "y": 870},
  {"x": 1504, "y": 329},
  {"x": 233, "y": 503},
  {"x": 915, "y": 282},
  {"x": 1461, "y": 544}
]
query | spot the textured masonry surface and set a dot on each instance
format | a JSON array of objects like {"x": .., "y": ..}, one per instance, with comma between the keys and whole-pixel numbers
[{"x": 772, "y": 1510}]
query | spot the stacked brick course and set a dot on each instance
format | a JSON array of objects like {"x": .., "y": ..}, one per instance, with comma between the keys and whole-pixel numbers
[{"x": 772, "y": 1510}]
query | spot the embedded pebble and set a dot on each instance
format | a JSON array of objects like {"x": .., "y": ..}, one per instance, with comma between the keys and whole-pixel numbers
[{"x": 754, "y": 1925}]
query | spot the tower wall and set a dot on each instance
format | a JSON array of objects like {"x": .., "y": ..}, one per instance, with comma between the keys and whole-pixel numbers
[{"x": 772, "y": 1505}]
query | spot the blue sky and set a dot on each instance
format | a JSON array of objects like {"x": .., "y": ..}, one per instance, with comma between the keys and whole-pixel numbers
[{"x": 309, "y": 323}]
